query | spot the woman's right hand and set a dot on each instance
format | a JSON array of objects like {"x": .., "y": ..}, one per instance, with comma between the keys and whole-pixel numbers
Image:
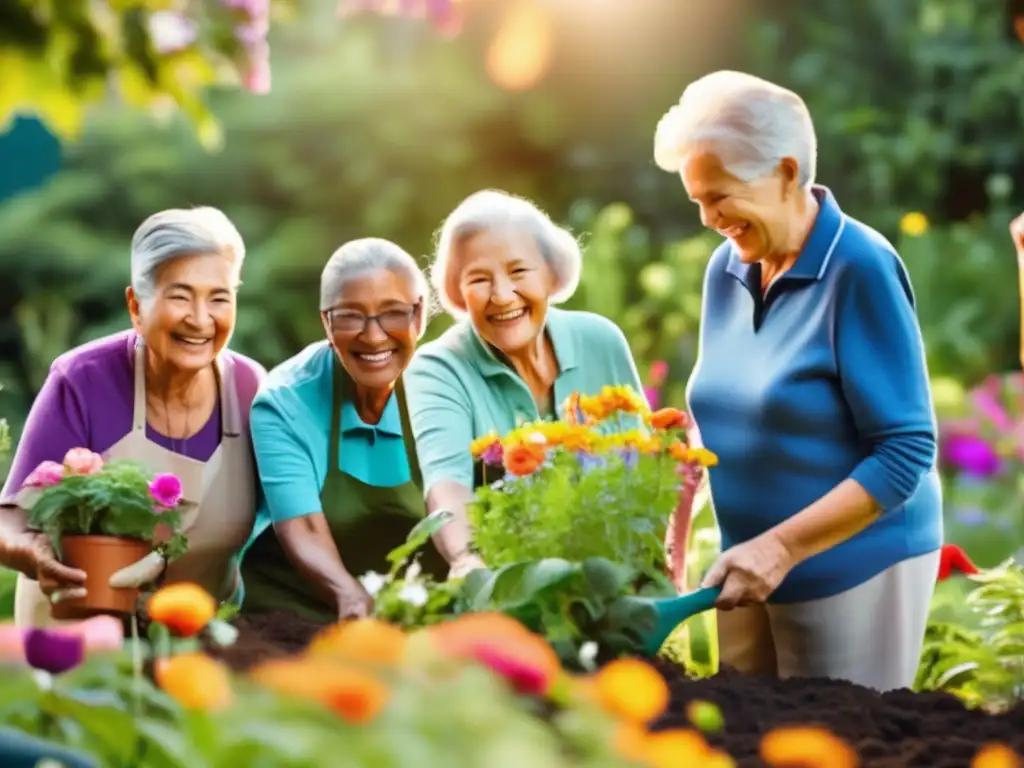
[
  {"x": 1017, "y": 233},
  {"x": 354, "y": 602},
  {"x": 31, "y": 554}
]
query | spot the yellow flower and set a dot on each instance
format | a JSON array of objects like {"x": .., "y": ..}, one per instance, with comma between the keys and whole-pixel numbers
[
  {"x": 632, "y": 689},
  {"x": 703, "y": 456},
  {"x": 914, "y": 224},
  {"x": 997, "y": 756},
  {"x": 479, "y": 446}
]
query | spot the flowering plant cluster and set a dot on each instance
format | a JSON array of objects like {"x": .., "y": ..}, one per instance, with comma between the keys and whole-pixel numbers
[
  {"x": 982, "y": 452},
  {"x": 602, "y": 482},
  {"x": 84, "y": 495}
]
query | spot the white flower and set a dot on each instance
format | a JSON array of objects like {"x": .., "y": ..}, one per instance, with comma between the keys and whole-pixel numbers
[
  {"x": 372, "y": 582},
  {"x": 414, "y": 594},
  {"x": 537, "y": 438},
  {"x": 412, "y": 573},
  {"x": 588, "y": 654}
]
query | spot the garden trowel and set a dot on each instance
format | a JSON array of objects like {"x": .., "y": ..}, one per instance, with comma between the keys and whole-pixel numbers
[{"x": 670, "y": 612}]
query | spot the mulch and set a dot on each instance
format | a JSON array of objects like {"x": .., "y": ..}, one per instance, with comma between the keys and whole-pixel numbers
[{"x": 901, "y": 729}]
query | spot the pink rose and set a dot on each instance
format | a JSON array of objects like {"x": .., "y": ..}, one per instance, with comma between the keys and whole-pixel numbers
[
  {"x": 166, "y": 490},
  {"x": 46, "y": 474},
  {"x": 82, "y": 461}
]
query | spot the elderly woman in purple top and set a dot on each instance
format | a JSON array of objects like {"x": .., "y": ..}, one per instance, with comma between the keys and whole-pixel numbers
[{"x": 167, "y": 393}]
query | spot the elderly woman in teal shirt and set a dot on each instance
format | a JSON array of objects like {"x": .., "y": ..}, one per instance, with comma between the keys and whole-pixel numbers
[
  {"x": 500, "y": 266},
  {"x": 336, "y": 462}
]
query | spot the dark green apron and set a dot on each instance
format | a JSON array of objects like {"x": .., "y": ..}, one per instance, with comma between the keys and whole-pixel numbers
[{"x": 366, "y": 523}]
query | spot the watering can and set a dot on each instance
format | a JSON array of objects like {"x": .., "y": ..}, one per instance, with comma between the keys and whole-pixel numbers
[
  {"x": 21, "y": 750},
  {"x": 670, "y": 612}
]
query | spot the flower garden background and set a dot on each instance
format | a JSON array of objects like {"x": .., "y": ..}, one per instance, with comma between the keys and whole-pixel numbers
[{"x": 331, "y": 126}]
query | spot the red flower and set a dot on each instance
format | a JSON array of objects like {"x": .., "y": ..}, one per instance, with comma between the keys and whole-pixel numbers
[{"x": 952, "y": 558}]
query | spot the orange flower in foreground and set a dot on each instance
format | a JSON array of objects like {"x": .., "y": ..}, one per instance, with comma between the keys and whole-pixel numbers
[
  {"x": 523, "y": 458},
  {"x": 504, "y": 645},
  {"x": 195, "y": 680},
  {"x": 806, "y": 747},
  {"x": 679, "y": 746},
  {"x": 183, "y": 608},
  {"x": 356, "y": 695},
  {"x": 668, "y": 418},
  {"x": 997, "y": 756},
  {"x": 632, "y": 689},
  {"x": 630, "y": 741},
  {"x": 364, "y": 640}
]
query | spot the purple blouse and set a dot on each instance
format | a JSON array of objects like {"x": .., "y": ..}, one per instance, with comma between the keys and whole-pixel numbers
[{"x": 87, "y": 401}]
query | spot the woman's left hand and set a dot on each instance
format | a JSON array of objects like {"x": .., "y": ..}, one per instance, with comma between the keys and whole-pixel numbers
[{"x": 748, "y": 573}]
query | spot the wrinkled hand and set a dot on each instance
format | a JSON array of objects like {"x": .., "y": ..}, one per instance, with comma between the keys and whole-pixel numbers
[
  {"x": 1017, "y": 233},
  {"x": 32, "y": 554},
  {"x": 354, "y": 602},
  {"x": 748, "y": 573},
  {"x": 463, "y": 565},
  {"x": 140, "y": 573}
]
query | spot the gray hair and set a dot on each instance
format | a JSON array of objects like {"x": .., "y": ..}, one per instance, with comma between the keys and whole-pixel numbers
[
  {"x": 492, "y": 209},
  {"x": 358, "y": 257},
  {"x": 750, "y": 123},
  {"x": 177, "y": 232}
]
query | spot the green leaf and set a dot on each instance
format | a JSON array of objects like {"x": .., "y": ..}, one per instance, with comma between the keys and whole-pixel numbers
[{"x": 418, "y": 536}]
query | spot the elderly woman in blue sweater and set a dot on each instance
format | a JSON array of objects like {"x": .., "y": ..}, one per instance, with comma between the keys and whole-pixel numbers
[{"x": 812, "y": 388}]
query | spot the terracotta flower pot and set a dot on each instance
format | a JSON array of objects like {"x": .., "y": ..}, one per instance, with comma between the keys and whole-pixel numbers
[{"x": 100, "y": 557}]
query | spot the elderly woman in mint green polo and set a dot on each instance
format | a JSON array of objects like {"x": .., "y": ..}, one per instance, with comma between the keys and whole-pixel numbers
[
  {"x": 500, "y": 266},
  {"x": 334, "y": 450}
]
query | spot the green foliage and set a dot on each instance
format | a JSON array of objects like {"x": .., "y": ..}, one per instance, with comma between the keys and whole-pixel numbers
[
  {"x": 115, "y": 501},
  {"x": 61, "y": 58},
  {"x": 983, "y": 666}
]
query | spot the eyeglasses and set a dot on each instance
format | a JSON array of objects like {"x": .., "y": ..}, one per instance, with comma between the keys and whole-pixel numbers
[{"x": 390, "y": 321}]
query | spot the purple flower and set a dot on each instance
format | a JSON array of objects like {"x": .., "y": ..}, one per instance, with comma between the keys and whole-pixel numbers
[
  {"x": 53, "y": 652},
  {"x": 653, "y": 395},
  {"x": 630, "y": 457},
  {"x": 493, "y": 454},
  {"x": 971, "y": 455},
  {"x": 166, "y": 490},
  {"x": 589, "y": 462},
  {"x": 971, "y": 516}
]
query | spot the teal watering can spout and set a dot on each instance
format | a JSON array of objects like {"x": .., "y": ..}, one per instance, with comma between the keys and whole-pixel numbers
[{"x": 670, "y": 612}]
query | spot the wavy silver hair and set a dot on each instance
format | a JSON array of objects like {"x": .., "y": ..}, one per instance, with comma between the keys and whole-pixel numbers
[
  {"x": 177, "y": 232},
  {"x": 749, "y": 123},
  {"x": 489, "y": 210}
]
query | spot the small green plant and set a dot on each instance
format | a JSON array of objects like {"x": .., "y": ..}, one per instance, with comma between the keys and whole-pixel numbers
[
  {"x": 984, "y": 666},
  {"x": 86, "y": 496}
]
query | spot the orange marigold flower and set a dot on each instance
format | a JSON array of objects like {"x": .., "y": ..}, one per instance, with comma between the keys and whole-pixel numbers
[
  {"x": 668, "y": 418},
  {"x": 195, "y": 680},
  {"x": 357, "y": 695},
  {"x": 619, "y": 399},
  {"x": 677, "y": 450},
  {"x": 632, "y": 689},
  {"x": 184, "y": 608},
  {"x": 806, "y": 747},
  {"x": 630, "y": 741},
  {"x": 369, "y": 641},
  {"x": 676, "y": 747},
  {"x": 578, "y": 439},
  {"x": 996, "y": 755},
  {"x": 523, "y": 458},
  {"x": 594, "y": 408}
]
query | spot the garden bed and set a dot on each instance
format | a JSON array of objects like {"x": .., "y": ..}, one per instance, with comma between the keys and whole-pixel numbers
[{"x": 895, "y": 730}]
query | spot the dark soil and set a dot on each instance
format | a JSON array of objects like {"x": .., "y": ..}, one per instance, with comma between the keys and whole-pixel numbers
[{"x": 901, "y": 729}]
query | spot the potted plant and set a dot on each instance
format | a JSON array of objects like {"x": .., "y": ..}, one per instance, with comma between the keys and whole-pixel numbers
[{"x": 101, "y": 517}]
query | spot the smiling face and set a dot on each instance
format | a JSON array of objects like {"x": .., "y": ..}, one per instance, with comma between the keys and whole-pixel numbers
[
  {"x": 192, "y": 315},
  {"x": 375, "y": 352},
  {"x": 505, "y": 284},
  {"x": 756, "y": 216}
]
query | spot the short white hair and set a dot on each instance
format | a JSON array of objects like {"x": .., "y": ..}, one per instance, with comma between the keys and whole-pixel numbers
[
  {"x": 749, "y": 123},
  {"x": 369, "y": 254},
  {"x": 177, "y": 232},
  {"x": 492, "y": 210}
]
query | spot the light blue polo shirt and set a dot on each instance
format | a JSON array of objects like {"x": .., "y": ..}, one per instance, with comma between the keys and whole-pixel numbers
[
  {"x": 820, "y": 379},
  {"x": 291, "y": 425},
  {"x": 459, "y": 390}
]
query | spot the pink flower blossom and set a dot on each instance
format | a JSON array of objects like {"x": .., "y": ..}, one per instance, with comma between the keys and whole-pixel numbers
[
  {"x": 46, "y": 474},
  {"x": 82, "y": 461},
  {"x": 659, "y": 372},
  {"x": 524, "y": 678},
  {"x": 493, "y": 454},
  {"x": 166, "y": 490},
  {"x": 256, "y": 71}
]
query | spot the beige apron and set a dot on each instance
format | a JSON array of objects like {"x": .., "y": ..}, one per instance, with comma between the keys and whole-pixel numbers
[{"x": 222, "y": 491}]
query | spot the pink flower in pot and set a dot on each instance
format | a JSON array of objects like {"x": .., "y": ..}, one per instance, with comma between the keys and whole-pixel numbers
[
  {"x": 46, "y": 474},
  {"x": 166, "y": 490},
  {"x": 82, "y": 461}
]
